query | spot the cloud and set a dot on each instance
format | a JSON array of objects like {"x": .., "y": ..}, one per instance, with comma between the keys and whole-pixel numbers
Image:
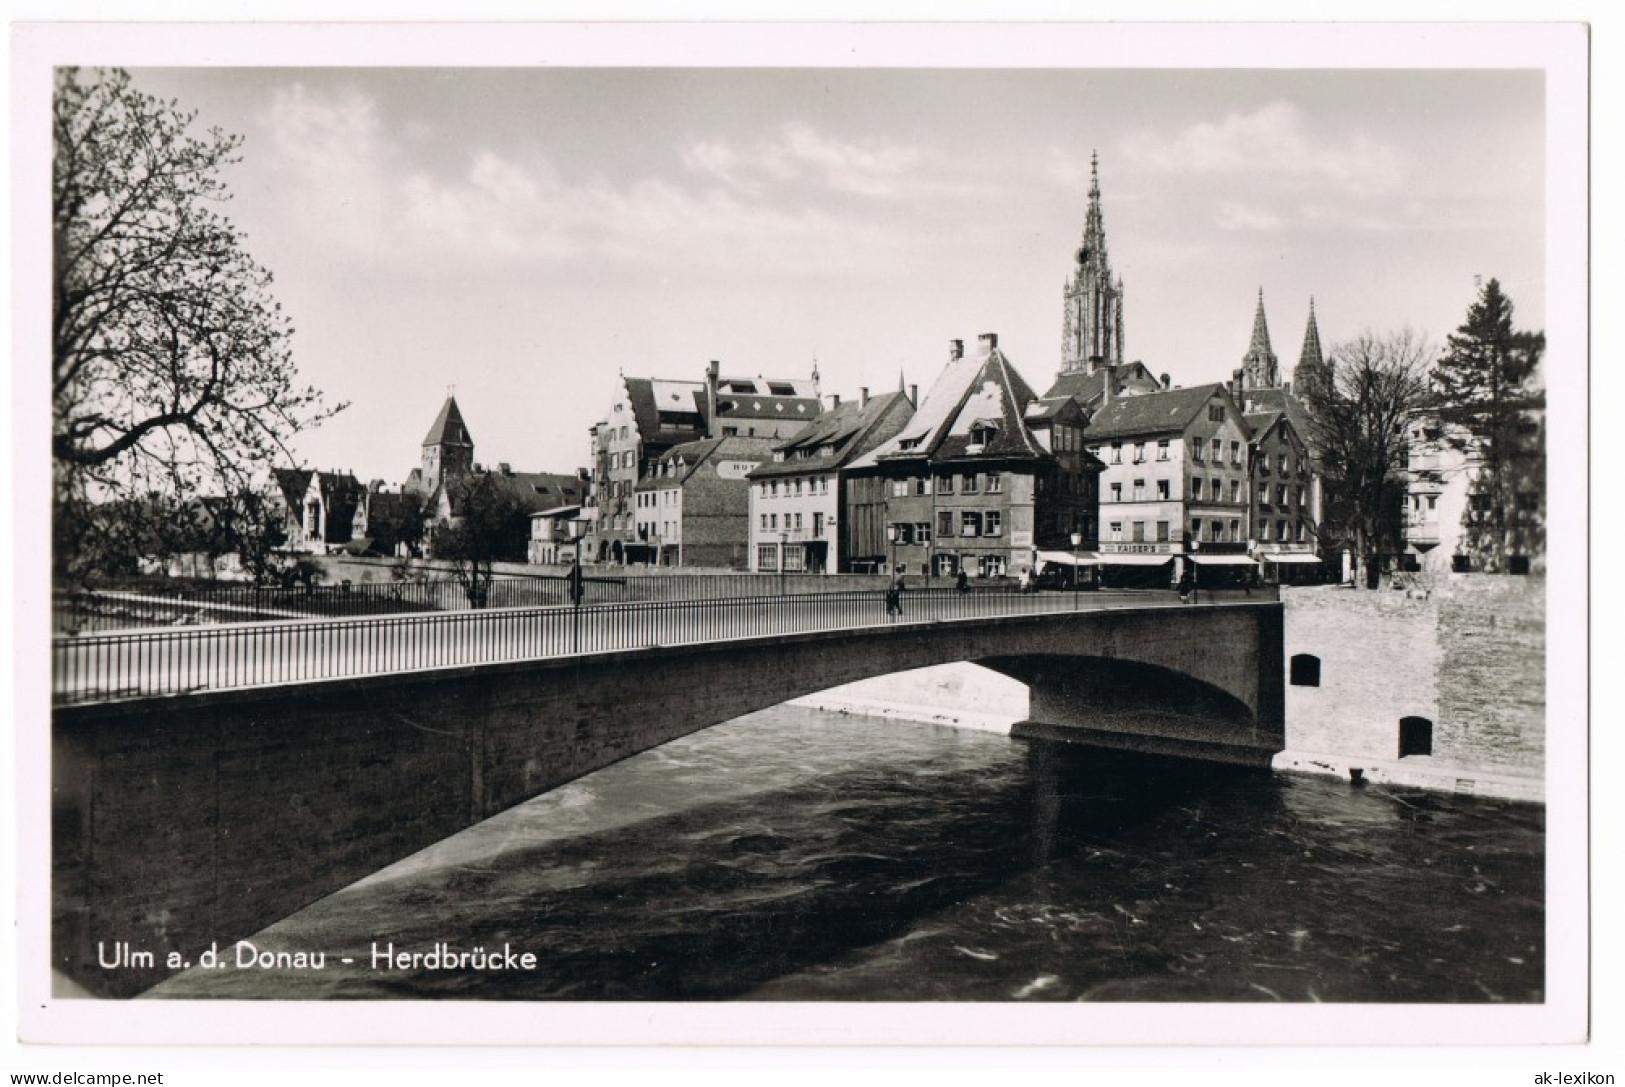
[
  {"x": 1234, "y": 216},
  {"x": 799, "y": 153},
  {"x": 1275, "y": 144}
]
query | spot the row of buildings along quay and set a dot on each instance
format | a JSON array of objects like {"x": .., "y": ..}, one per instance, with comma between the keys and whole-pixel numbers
[{"x": 1112, "y": 474}]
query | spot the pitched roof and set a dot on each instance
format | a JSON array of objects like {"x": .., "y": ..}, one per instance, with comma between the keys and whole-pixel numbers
[
  {"x": 293, "y": 483},
  {"x": 970, "y": 393},
  {"x": 448, "y": 427},
  {"x": 1151, "y": 413},
  {"x": 696, "y": 454},
  {"x": 1279, "y": 400},
  {"x": 682, "y": 402},
  {"x": 851, "y": 428},
  {"x": 1086, "y": 387}
]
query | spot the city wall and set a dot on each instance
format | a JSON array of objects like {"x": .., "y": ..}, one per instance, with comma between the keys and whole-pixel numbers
[{"x": 1464, "y": 653}]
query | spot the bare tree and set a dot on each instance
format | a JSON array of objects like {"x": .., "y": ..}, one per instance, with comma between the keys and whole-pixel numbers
[
  {"x": 488, "y": 525},
  {"x": 170, "y": 359},
  {"x": 1359, "y": 419}
]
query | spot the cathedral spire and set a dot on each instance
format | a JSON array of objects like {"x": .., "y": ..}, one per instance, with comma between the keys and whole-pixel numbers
[
  {"x": 1092, "y": 319},
  {"x": 1311, "y": 369},
  {"x": 1258, "y": 367}
]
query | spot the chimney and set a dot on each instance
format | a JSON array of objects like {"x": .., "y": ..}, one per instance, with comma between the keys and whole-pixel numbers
[
  {"x": 956, "y": 350},
  {"x": 863, "y": 397},
  {"x": 374, "y": 486},
  {"x": 1109, "y": 386},
  {"x": 1167, "y": 382},
  {"x": 985, "y": 343},
  {"x": 1235, "y": 384},
  {"x": 914, "y": 396},
  {"x": 505, "y": 468},
  {"x": 834, "y": 401},
  {"x": 711, "y": 373}
]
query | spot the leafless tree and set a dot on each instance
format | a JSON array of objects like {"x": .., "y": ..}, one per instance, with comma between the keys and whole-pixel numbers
[{"x": 1359, "y": 423}]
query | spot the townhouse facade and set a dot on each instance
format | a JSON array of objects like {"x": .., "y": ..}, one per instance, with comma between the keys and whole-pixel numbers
[
  {"x": 796, "y": 519},
  {"x": 648, "y": 417},
  {"x": 982, "y": 478},
  {"x": 692, "y": 509}
]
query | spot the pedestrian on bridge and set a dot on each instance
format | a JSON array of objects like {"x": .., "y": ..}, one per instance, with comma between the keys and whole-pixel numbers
[
  {"x": 894, "y": 600},
  {"x": 962, "y": 582}
]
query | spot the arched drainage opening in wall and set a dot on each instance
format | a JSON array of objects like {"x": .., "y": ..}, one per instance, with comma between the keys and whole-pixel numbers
[
  {"x": 1305, "y": 670},
  {"x": 1415, "y": 736}
]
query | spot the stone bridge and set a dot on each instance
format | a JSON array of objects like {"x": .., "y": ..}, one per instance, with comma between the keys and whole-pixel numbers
[{"x": 184, "y": 821}]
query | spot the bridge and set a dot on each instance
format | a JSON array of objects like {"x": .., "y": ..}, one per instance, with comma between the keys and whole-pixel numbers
[{"x": 210, "y": 781}]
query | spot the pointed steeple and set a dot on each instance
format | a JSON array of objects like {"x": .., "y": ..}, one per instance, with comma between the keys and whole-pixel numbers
[
  {"x": 1311, "y": 368},
  {"x": 1092, "y": 319},
  {"x": 1258, "y": 367},
  {"x": 448, "y": 448}
]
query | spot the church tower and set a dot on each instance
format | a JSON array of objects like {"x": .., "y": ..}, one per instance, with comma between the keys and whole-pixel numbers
[
  {"x": 448, "y": 448},
  {"x": 1311, "y": 371},
  {"x": 1259, "y": 369},
  {"x": 1092, "y": 322}
]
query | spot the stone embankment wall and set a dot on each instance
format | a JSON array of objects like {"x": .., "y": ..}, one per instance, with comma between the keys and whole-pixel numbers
[{"x": 1466, "y": 653}]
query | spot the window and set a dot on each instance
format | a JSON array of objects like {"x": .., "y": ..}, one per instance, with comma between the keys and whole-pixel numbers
[
  {"x": 1196, "y": 449},
  {"x": 922, "y": 533},
  {"x": 1162, "y": 449},
  {"x": 1281, "y": 531},
  {"x": 818, "y": 524},
  {"x": 764, "y": 522},
  {"x": 1117, "y": 492},
  {"x": 798, "y": 522},
  {"x": 992, "y": 566},
  {"x": 1215, "y": 414},
  {"x": 1196, "y": 487},
  {"x": 922, "y": 485},
  {"x": 1162, "y": 531},
  {"x": 1280, "y": 463},
  {"x": 775, "y": 488},
  {"x": 992, "y": 522},
  {"x": 823, "y": 485},
  {"x": 1415, "y": 736},
  {"x": 763, "y": 489},
  {"x": 1280, "y": 494},
  {"x": 1305, "y": 670},
  {"x": 767, "y": 557},
  {"x": 1117, "y": 452},
  {"x": 1235, "y": 453},
  {"x": 945, "y": 484},
  {"x": 1264, "y": 532},
  {"x": 945, "y": 522},
  {"x": 730, "y": 432},
  {"x": 773, "y": 520},
  {"x": 1300, "y": 532},
  {"x": 995, "y": 483},
  {"x": 970, "y": 523},
  {"x": 1139, "y": 531},
  {"x": 1235, "y": 531},
  {"x": 1218, "y": 451},
  {"x": 1264, "y": 495},
  {"x": 1139, "y": 452},
  {"x": 1235, "y": 490},
  {"x": 1139, "y": 490},
  {"x": 1117, "y": 532},
  {"x": 798, "y": 488},
  {"x": 1196, "y": 528},
  {"x": 1162, "y": 488},
  {"x": 793, "y": 559},
  {"x": 1218, "y": 490},
  {"x": 969, "y": 486},
  {"x": 905, "y": 534},
  {"x": 899, "y": 488},
  {"x": 1433, "y": 500}
]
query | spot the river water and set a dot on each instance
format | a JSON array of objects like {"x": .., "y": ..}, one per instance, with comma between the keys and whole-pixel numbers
[{"x": 797, "y": 854}]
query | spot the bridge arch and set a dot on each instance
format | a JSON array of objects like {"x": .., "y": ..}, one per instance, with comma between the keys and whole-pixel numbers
[{"x": 254, "y": 803}]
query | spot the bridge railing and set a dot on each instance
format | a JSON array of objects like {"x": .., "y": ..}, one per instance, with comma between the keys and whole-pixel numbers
[{"x": 148, "y": 664}]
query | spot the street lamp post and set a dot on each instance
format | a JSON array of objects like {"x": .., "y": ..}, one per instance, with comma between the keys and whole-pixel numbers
[
  {"x": 578, "y": 529},
  {"x": 1077, "y": 542},
  {"x": 784, "y": 547},
  {"x": 891, "y": 537}
]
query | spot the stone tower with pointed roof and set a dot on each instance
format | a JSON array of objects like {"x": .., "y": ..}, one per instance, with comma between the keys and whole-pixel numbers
[
  {"x": 1311, "y": 371},
  {"x": 448, "y": 448},
  {"x": 1259, "y": 367},
  {"x": 1092, "y": 321}
]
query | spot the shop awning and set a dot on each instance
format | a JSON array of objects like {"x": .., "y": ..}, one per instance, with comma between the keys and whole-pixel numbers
[
  {"x": 1110, "y": 559},
  {"x": 1067, "y": 558},
  {"x": 1222, "y": 560},
  {"x": 1291, "y": 557}
]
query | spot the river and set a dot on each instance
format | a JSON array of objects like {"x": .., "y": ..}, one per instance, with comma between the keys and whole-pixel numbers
[{"x": 798, "y": 854}]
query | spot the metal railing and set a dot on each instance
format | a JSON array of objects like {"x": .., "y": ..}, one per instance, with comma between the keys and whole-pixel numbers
[{"x": 149, "y": 664}]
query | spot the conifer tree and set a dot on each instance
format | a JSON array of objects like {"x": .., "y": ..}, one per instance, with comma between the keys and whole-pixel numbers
[{"x": 1489, "y": 402}]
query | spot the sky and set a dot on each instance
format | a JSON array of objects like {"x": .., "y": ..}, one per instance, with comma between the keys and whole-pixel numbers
[{"x": 525, "y": 234}]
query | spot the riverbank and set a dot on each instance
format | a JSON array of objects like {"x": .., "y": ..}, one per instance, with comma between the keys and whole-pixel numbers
[{"x": 1461, "y": 660}]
